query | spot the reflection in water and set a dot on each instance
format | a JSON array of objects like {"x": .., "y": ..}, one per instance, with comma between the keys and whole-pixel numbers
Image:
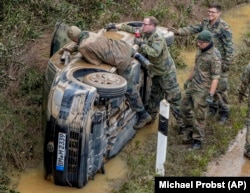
[{"x": 33, "y": 182}]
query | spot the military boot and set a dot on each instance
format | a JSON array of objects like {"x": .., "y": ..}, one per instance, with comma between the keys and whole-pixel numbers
[
  {"x": 144, "y": 119},
  {"x": 223, "y": 117},
  {"x": 196, "y": 144},
  {"x": 187, "y": 135}
]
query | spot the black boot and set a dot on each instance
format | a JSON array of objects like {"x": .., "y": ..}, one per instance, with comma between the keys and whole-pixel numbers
[
  {"x": 223, "y": 117},
  {"x": 196, "y": 144},
  {"x": 187, "y": 134},
  {"x": 144, "y": 119}
]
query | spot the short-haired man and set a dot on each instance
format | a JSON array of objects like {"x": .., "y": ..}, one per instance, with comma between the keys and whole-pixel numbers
[
  {"x": 163, "y": 71},
  {"x": 222, "y": 37},
  {"x": 200, "y": 89}
]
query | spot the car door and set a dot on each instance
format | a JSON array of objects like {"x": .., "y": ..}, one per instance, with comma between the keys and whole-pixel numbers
[{"x": 60, "y": 37}]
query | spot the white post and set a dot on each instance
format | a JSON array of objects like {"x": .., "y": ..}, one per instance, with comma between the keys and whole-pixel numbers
[{"x": 161, "y": 152}]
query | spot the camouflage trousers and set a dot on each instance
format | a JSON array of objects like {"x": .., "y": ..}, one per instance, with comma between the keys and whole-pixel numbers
[
  {"x": 247, "y": 144},
  {"x": 132, "y": 93},
  {"x": 166, "y": 86},
  {"x": 194, "y": 109},
  {"x": 221, "y": 103}
]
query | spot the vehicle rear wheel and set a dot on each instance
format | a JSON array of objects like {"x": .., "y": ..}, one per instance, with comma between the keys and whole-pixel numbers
[{"x": 108, "y": 85}]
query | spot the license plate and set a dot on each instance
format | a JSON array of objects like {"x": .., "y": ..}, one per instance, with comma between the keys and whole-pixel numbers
[{"x": 61, "y": 151}]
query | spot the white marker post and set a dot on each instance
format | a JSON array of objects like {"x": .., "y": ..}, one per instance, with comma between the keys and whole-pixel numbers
[{"x": 161, "y": 152}]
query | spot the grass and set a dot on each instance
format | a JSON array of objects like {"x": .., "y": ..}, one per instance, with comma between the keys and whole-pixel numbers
[
  {"x": 21, "y": 85},
  {"x": 180, "y": 161}
]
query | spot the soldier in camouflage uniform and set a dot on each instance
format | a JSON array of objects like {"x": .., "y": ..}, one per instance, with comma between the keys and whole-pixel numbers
[
  {"x": 245, "y": 85},
  {"x": 96, "y": 49},
  {"x": 200, "y": 88},
  {"x": 153, "y": 46},
  {"x": 222, "y": 37}
]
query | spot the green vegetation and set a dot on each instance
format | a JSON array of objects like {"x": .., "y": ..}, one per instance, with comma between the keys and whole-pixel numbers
[
  {"x": 21, "y": 80},
  {"x": 180, "y": 161}
]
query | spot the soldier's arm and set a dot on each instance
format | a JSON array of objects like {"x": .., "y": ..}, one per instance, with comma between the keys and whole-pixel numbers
[
  {"x": 127, "y": 28},
  {"x": 228, "y": 45},
  {"x": 190, "y": 30},
  {"x": 215, "y": 71},
  {"x": 154, "y": 50},
  {"x": 213, "y": 86}
]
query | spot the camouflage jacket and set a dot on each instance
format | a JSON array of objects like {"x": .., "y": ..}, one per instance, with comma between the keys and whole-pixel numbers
[
  {"x": 154, "y": 49},
  {"x": 245, "y": 80},
  {"x": 222, "y": 37},
  {"x": 207, "y": 67},
  {"x": 96, "y": 49}
]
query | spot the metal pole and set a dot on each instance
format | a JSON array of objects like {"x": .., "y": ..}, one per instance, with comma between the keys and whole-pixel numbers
[{"x": 162, "y": 139}]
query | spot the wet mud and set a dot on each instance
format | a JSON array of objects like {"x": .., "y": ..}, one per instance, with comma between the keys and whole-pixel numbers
[{"x": 232, "y": 163}]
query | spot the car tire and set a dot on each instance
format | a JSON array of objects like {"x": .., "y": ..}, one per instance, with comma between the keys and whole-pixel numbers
[{"x": 108, "y": 85}]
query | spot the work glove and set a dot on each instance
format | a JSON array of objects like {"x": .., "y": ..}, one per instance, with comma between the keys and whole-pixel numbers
[
  {"x": 138, "y": 41},
  {"x": 70, "y": 49},
  {"x": 186, "y": 84},
  {"x": 111, "y": 26},
  {"x": 175, "y": 31},
  {"x": 144, "y": 61},
  {"x": 209, "y": 99}
]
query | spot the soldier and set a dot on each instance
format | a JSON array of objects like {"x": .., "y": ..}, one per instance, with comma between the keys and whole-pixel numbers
[
  {"x": 163, "y": 71},
  {"x": 96, "y": 49},
  {"x": 200, "y": 88},
  {"x": 245, "y": 85},
  {"x": 222, "y": 37}
]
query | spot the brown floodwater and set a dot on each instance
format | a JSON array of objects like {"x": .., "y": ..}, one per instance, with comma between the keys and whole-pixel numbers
[{"x": 32, "y": 181}]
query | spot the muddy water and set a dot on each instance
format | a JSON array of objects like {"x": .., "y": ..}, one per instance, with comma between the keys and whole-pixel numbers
[{"x": 32, "y": 181}]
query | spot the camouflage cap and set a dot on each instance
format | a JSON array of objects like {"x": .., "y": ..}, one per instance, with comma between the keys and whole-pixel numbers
[
  {"x": 205, "y": 36},
  {"x": 73, "y": 33}
]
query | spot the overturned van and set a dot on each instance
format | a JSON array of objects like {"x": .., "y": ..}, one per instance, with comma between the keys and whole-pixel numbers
[{"x": 86, "y": 116}]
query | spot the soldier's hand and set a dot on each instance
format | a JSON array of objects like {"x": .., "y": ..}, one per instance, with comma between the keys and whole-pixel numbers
[
  {"x": 138, "y": 41},
  {"x": 186, "y": 84},
  {"x": 111, "y": 26},
  {"x": 175, "y": 31},
  {"x": 209, "y": 99}
]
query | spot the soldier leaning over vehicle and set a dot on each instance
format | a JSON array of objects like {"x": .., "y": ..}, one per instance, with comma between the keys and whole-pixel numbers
[
  {"x": 222, "y": 37},
  {"x": 200, "y": 88},
  {"x": 153, "y": 46},
  {"x": 245, "y": 85},
  {"x": 97, "y": 49}
]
